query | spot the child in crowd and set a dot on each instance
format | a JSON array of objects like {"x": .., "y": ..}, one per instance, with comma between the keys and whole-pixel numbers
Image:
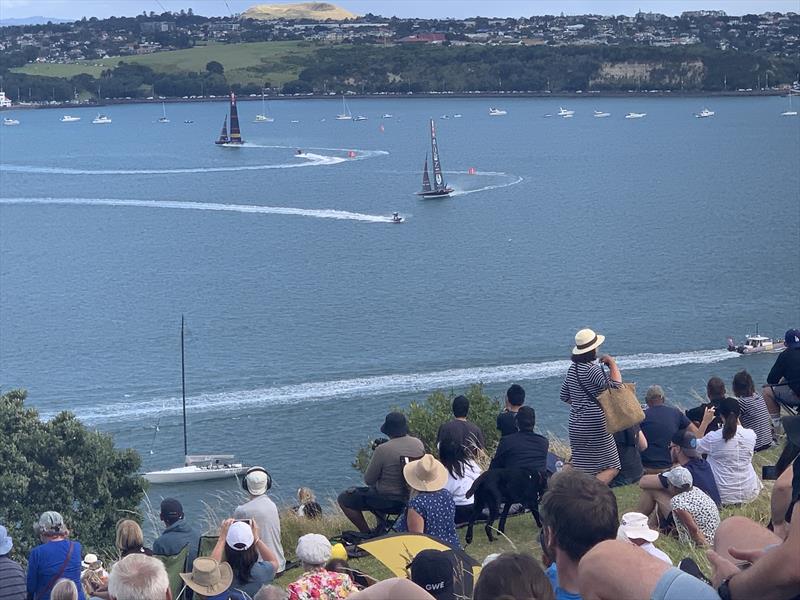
[{"x": 308, "y": 507}]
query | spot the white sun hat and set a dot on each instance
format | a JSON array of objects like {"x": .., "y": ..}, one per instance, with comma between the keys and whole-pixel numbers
[{"x": 634, "y": 527}]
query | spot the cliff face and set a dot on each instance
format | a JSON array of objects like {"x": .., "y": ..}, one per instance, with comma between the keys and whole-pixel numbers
[
  {"x": 316, "y": 11},
  {"x": 689, "y": 73}
]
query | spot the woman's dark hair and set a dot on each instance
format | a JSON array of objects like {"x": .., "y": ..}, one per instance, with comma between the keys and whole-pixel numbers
[
  {"x": 789, "y": 453},
  {"x": 586, "y": 357},
  {"x": 512, "y": 577},
  {"x": 729, "y": 410},
  {"x": 743, "y": 386},
  {"x": 452, "y": 456},
  {"x": 241, "y": 561}
]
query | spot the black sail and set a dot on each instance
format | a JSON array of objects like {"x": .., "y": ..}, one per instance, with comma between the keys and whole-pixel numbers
[
  {"x": 236, "y": 136},
  {"x": 438, "y": 178},
  {"x": 426, "y": 180},
  {"x": 223, "y": 135}
]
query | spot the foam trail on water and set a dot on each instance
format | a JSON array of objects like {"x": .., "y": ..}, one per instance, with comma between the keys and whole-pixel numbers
[
  {"x": 319, "y": 213},
  {"x": 516, "y": 179},
  {"x": 382, "y": 384}
]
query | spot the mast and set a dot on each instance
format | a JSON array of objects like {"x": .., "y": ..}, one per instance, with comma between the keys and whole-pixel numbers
[
  {"x": 426, "y": 181},
  {"x": 236, "y": 136},
  {"x": 438, "y": 179},
  {"x": 223, "y": 135},
  {"x": 183, "y": 394}
]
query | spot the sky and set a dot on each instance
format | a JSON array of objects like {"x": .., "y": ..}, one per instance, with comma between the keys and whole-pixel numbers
[{"x": 75, "y": 9}]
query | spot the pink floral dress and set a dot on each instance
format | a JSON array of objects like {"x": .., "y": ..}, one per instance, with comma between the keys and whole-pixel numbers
[{"x": 320, "y": 584}]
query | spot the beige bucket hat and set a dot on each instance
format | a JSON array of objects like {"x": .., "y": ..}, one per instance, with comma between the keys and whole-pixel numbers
[
  {"x": 208, "y": 577},
  {"x": 426, "y": 474}
]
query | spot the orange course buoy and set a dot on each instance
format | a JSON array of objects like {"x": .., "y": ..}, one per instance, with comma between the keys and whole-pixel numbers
[
  {"x": 472, "y": 171},
  {"x": 351, "y": 154}
]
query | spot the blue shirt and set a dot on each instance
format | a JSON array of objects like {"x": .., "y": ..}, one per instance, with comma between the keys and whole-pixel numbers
[
  {"x": 661, "y": 423},
  {"x": 45, "y": 562},
  {"x": 439, "y": 512},
  {"x": 260, "y": 574},
  {"x": 561, "y": 594}
]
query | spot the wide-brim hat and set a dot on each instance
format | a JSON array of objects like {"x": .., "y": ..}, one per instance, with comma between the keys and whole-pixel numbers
[
  {"x": 587, "y": 340},
  {"x": 208, "y": 577},
  {"x": 426, "y": 474},
  {"x": 395, "y": 425},
  {"x": 634, "y": 526},
  {"x": 90, "y": 561}
]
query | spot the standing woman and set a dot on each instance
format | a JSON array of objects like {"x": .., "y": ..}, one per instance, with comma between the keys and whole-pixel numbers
[
  {"x": 593, "y": 448},
  {"x": 57, "y": 557}
]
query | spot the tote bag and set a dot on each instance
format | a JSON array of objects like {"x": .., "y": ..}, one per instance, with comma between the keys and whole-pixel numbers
[{"x": 620, "y": 405}]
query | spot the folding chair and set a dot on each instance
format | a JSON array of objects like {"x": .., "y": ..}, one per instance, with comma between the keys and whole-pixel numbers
[{"x": 174, "y": 565}]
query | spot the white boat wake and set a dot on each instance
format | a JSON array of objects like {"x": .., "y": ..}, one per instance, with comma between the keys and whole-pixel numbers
[
  {"x": 319, "y": 213},
  {"x": 514, "y": 180},
  {"x": 317, "y": 391},
  {"x": 311, "y": 160}
]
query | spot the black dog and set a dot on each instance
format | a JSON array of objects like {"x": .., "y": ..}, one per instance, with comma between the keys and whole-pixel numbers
[{"x": 509, "y": 486}]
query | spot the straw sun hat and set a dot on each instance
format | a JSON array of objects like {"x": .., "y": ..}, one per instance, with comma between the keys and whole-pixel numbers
[
  {"x": 587, "y": 340},
  {"x": 426, "y": 474},
  {"x": 208, "y": 577}
]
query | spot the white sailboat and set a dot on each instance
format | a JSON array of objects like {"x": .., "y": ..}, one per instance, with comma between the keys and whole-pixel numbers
[
  {"x": 345, "y": 115},
  {"x": 196, "y": 467},
  {"x": 598, "y": 114},
  {"x": 635, "y": 115},
  {"x": 163, "y": 118},
  {"x": 263, "y": 117},
  {"x": 790, "y": 112}
]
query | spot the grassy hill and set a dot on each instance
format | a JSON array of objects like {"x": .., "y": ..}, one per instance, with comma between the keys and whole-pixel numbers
[{"x": 277, "y": 62}]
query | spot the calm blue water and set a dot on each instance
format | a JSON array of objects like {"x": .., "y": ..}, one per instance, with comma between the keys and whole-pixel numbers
[{"x": 667, "y": 234}]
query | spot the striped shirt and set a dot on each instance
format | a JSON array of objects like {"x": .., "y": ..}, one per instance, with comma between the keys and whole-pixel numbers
[
  {"x": 755, "y": 416},
  {"x": 12, "y": 580}
]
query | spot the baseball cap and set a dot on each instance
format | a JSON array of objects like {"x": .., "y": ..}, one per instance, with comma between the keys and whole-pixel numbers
[
  {"x": 240, "y": 536},
  {"x": 432, "y": 570},
  {"x": 171, "y": 508},
  {"x": 634, "y": 526},
  {"x": 687, "y": 442},
  {"x": 679, "y": 476},
  {"x": 792, "y": 338}
]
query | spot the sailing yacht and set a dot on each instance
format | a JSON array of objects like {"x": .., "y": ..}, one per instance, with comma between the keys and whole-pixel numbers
[
  {"x": 233, "y": 139},
  {"x": 790, "y": 112},
  {"x": 345, "y": 115},
  {"x": 163, "y": 118},
  {"x": 263, "y": 117},
  {"x": 439, "y": 188}
]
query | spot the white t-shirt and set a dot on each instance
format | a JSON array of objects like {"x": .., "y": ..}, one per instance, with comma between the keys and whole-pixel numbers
[
  {"x": 651, "y": 549},
  {"x": 731, "y": 464},
  {"x": 459, "y": 487}
]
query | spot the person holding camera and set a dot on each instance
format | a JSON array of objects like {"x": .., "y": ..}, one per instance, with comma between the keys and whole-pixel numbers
[{"x": 252, "y": 562}]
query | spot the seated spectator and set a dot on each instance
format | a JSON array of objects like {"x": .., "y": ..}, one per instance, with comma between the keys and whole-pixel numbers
[
  {"x": 683, "y": 450},
  {"x": 440, "y": 574},
  {"x": 780, "y": 502},
  {"x": 461, "y": 474},
  {"x": 308, "y": 507},
  {"x": 395, "y": 588},
  {"x": 715, "y": 392},
  {"x": 695, "y": 514},
  {"x": 94, "y": 578},
  {"x": 578, "y": 511},
  {"x": 261, "y": 509},
  {"x": 754, "y": 415},
  {"x": 522, "y": 449},
  {"x": 139, "y": 577},
  {"x": 313, "y": 551},
  {"x": 661, "y": 423},
  {"x": 12, "y": 576},
  {"x": 64, "y": 589},
  {"x": 783, "y": 381},
  {"x": 340, "y": 565},
  {"x": 386, "y": 488},
  {"x": 513, "y": 576},
  {"x": 130, "y": 539},
  {"x": 468, "y": 434},
  {"x": 506, "y": 421},
  {"x": 57, "y": 557},
  {"x": 431, "y": 509},
  {"x": 251, "y": 560},
  {"x": 730, "y": 453},
  {"x": 208, "y": 579},
  {"x": 633, "y": 528},
  {"x": 177, "y": 534},
  {"x": 630, "y": 443}
]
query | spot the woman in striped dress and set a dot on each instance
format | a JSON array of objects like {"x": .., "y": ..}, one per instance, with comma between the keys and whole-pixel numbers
[{"x": 593, "y": 448}]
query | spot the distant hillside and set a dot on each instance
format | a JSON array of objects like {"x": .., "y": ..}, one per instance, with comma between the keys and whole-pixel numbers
[
  {"x": 31, "y": 21},
  {"x": 316, "y": 11}
]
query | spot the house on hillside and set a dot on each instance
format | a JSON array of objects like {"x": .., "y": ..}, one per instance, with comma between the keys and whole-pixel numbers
[
  {"x": 423, "y": 38},
  {"x": 4, "y": 102}
]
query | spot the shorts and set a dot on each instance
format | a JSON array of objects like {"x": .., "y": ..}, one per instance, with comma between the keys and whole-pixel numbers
[
  {"x": 784, "y": 394},
  {"x": 677, "y": 585},
  {"x": 365, "y": 498}
]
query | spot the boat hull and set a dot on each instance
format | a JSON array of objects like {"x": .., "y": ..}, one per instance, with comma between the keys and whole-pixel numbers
[
  {"x": 192, "y": 473},
  {"x": 229, "y": 144},
  {"x": 444, "y": 193}
]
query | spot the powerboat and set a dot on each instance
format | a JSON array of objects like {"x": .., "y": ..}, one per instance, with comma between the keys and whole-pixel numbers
[
  {"x": 7, "y": 121},
  {"x": 754, "y": 344},
  {"x": 497, "y": 112},
  {"x": 101, "y": 120},
  {"x": 69, "y": 119},
  {"x": 600, "y": 114},
  {"x": 359, "y": 118},
  {"x": 635, "y": 115},
  {"x": 704, "y": 114},
  {"x": 387, "y": 116},
  {"x": 396, "y": 218},
  {"x": 457, "y": 116},
  {"x": 565, "y": 113}
]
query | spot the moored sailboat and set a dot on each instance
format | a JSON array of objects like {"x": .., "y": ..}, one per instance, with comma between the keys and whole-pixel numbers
[
  {"x": 345, "y": 115},
  {"x": 234, "y": 138},
  {"x": 439, "y": 188},
  {"x": 163, "y": 118},
  {"x": 263, "y": 117}
]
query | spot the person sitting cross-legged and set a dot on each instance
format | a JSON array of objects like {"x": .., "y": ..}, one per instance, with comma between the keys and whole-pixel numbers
[
  {"x": 661, "y": 423},
  {"x": 696, "y": 516}
]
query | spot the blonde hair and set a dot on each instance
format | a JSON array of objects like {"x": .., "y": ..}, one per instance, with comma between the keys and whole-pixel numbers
[
  {"x": 129, "y": 535},
  {"x": 64, "y": 589},
  {"x": 305, "y": 495}
]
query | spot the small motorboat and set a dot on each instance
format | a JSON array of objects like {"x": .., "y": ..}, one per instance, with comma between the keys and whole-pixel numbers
[
  {"x": 635, "y": 115},
  {"x": 101, "y": 120},
  {"x": 359, "y": 118},
  {"x": 598, "y": 114},
  {"x": 443, "y": 117},
  {"x": 497, "y": 112},
  {"x": 704, "y": 114},
  {"x": 9, "y": 122},
  {"x": 754, "y": 344},
  {"x": 565, "y": 113},
  {"x": 69, "y": 119},
  {"x": 396, "y": 218},
  {"x": 457, "y": 116},
  {"x": 387, "y": 116},
  {"x": 188, "y": 121},
  {"x": 263, "y": 119}
]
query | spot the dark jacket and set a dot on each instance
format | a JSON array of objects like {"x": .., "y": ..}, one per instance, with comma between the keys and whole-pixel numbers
[
  {"x": 174, "y": 538},
  {"x": 523, "y": 450}
]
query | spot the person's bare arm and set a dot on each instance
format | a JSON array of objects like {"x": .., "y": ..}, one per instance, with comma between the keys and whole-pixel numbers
[
  {"x": 641, "y": 441},
  {"x": 219, "y": 548},
  {"x": 415, "y": 521},
  {"x": 708, "y": 416},
  {"x": 264, "y": 551},
  {"x": 692, "y": 428},
  {"x": 613, "y": 369},
  {"x": 685, "y": 517}
]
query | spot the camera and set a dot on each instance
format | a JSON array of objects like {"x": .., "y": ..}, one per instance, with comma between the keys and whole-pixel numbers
[{"x": 377, "y": 442}]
